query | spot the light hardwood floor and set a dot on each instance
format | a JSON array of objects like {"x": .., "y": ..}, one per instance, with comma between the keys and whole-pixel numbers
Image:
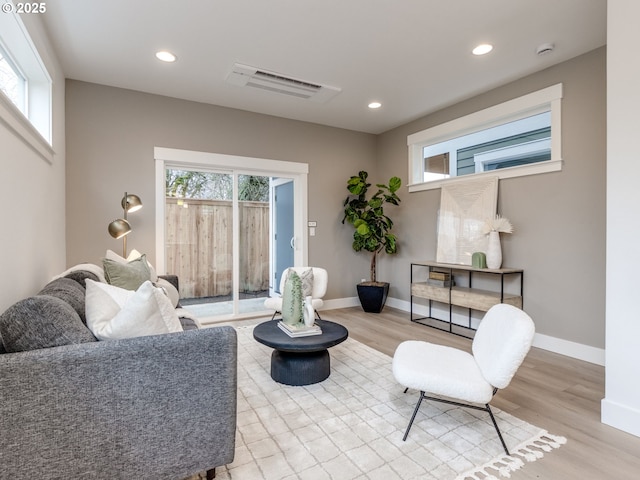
[{"x": 554, "y": 392}]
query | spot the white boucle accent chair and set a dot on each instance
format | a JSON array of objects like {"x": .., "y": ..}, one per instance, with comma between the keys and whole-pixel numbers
[
  {"x": 320, "y": 282},
  {"x": 499, "y": 347}
]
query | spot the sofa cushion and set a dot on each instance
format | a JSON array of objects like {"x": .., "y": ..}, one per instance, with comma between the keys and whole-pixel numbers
[
  {"x": 68, "y": 290},
  {"x": 96, "y": 270},
  {"x": 116, "y": 313},
  {"x": 40, "y": 322},
  {"x": 188, "y": 320},
  {"x": 128, "y": 275}
]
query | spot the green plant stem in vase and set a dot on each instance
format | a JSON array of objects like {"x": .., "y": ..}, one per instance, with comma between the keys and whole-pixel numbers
[{"x": 292, "y": 305}]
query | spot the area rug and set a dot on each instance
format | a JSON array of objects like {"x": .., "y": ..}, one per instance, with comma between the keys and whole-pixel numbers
[{"x": 350, "y": 426}]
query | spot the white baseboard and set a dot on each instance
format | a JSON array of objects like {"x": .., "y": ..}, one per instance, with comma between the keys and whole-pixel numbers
[
  {"x": 570, "y": 349},
  {"x": 620, "y": 416},
  {"x": 340, "y": 303},
  {"x": 557, "y": 345}
]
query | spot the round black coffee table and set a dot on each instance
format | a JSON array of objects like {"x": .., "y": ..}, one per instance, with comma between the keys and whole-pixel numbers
[{"x": 300, "y": 360}]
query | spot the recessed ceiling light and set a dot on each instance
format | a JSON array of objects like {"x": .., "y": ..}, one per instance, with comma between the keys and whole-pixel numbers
[
  {"x": 482, "y": 49},
  {"x": 165, "y": 56},
  {"x": 374, "y": 105}
]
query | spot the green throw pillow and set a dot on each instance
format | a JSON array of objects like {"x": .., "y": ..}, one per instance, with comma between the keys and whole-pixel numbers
[{"x": 128, "y": 275}]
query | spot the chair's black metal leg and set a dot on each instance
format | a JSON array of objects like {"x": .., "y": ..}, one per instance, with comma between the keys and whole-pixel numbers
[
  {"x": 211, "y": 474},
  {"x": 406, "y": 434},
  {"x": 274, "y": 315},
  {"x": 495, "y": 424},
  {"x": 318, "y": 314},
  {"x": 486, "y": 408}
]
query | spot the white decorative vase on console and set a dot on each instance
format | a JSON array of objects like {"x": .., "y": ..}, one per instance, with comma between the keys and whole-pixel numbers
[{"x": 494, "y": 251}]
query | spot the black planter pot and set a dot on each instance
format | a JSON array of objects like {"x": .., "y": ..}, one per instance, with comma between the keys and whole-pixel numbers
[{"x": 373, "y": 296}]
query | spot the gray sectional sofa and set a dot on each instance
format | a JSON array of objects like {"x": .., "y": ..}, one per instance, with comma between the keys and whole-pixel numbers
[{"x": 71, "y": 407}]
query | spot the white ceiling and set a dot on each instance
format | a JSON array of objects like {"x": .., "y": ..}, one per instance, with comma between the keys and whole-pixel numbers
[{"x": 411, "y": 55}]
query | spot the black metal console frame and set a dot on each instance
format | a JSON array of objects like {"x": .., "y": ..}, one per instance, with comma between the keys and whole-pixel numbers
[{"x": 470, "y": 271}]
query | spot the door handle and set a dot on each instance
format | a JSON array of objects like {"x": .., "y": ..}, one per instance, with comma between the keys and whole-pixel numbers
[{"x": 293, "y": 243}]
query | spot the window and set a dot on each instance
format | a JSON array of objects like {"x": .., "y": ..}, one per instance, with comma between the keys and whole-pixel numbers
[
  {"x": 515, "y": 138},
  {"x": 26, "y": 86},
  {"x": 12, "y": 82}
]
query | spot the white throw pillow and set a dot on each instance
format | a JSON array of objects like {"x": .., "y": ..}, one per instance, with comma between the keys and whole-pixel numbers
[
  {"x": 111, "y": 255},
  {"x": 115, "y": 313},
  {"x": 306, "y": 280}
]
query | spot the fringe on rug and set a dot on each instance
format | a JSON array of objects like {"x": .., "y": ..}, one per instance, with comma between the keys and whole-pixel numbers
[{"x": 530, "y": 451}]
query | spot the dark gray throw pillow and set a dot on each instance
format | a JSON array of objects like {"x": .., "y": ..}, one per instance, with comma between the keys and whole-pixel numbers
[
  {"x": 68, "y": 290},
  {"x": 80, "y": 276},
  {"x": 41, "y": 322}
]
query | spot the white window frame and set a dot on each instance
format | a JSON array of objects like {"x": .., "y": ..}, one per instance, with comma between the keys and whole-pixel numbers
[
  {"x": 34, "y": 126},
  {"x": 547, "y": 99}
]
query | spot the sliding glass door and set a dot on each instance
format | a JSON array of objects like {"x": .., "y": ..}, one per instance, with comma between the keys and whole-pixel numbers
[
  {"x": 282, "y": 234},
  {"x": 253, "y": 242},
  {"x": 219, "y": 235}
]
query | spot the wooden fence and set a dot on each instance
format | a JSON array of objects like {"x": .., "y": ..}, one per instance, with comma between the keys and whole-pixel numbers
[{"x": 199, "y": 246}]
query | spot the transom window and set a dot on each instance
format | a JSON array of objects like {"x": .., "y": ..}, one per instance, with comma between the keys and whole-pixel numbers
[
  {"x": 26, "y": 86},
  {"x": 515, "y": 138},
  {"x": 12, "y": 82}
]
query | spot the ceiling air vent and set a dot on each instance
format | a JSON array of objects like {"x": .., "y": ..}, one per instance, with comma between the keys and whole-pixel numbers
[{"x": 244, "y": 75}]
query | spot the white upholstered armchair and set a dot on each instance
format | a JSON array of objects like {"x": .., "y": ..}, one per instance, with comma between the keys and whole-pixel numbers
[
  {"x": 500, "y": 345},
  {"x": 318, "y": 289}
]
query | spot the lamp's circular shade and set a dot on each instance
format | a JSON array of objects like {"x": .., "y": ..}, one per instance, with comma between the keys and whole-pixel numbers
[
  {"x": 131, "y": 203},
  {"x": 119, "y": 228}
]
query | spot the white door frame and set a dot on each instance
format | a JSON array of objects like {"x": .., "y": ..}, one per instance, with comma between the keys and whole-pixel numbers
[{"x": 165, "y": 157}]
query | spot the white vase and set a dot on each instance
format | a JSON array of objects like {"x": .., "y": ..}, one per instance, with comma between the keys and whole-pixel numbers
[
  {"x": 308, "y": 312},
  {"x": 494, "y": 251}
]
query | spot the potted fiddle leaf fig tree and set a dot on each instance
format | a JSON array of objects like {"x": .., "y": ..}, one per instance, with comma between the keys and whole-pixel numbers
[{"x": 372, "y": 232}]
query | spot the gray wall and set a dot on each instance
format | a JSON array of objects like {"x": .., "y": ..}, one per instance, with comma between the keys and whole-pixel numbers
[
  {"x": 111, "y": 134},
  {"x": 621, "y": 407},
  {"x": 559, "y": 218},
  {"x": 33, "y": 195}
]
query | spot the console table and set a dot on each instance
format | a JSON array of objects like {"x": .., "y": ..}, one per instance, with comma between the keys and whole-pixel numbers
[{"x": 467, "y": 296}]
